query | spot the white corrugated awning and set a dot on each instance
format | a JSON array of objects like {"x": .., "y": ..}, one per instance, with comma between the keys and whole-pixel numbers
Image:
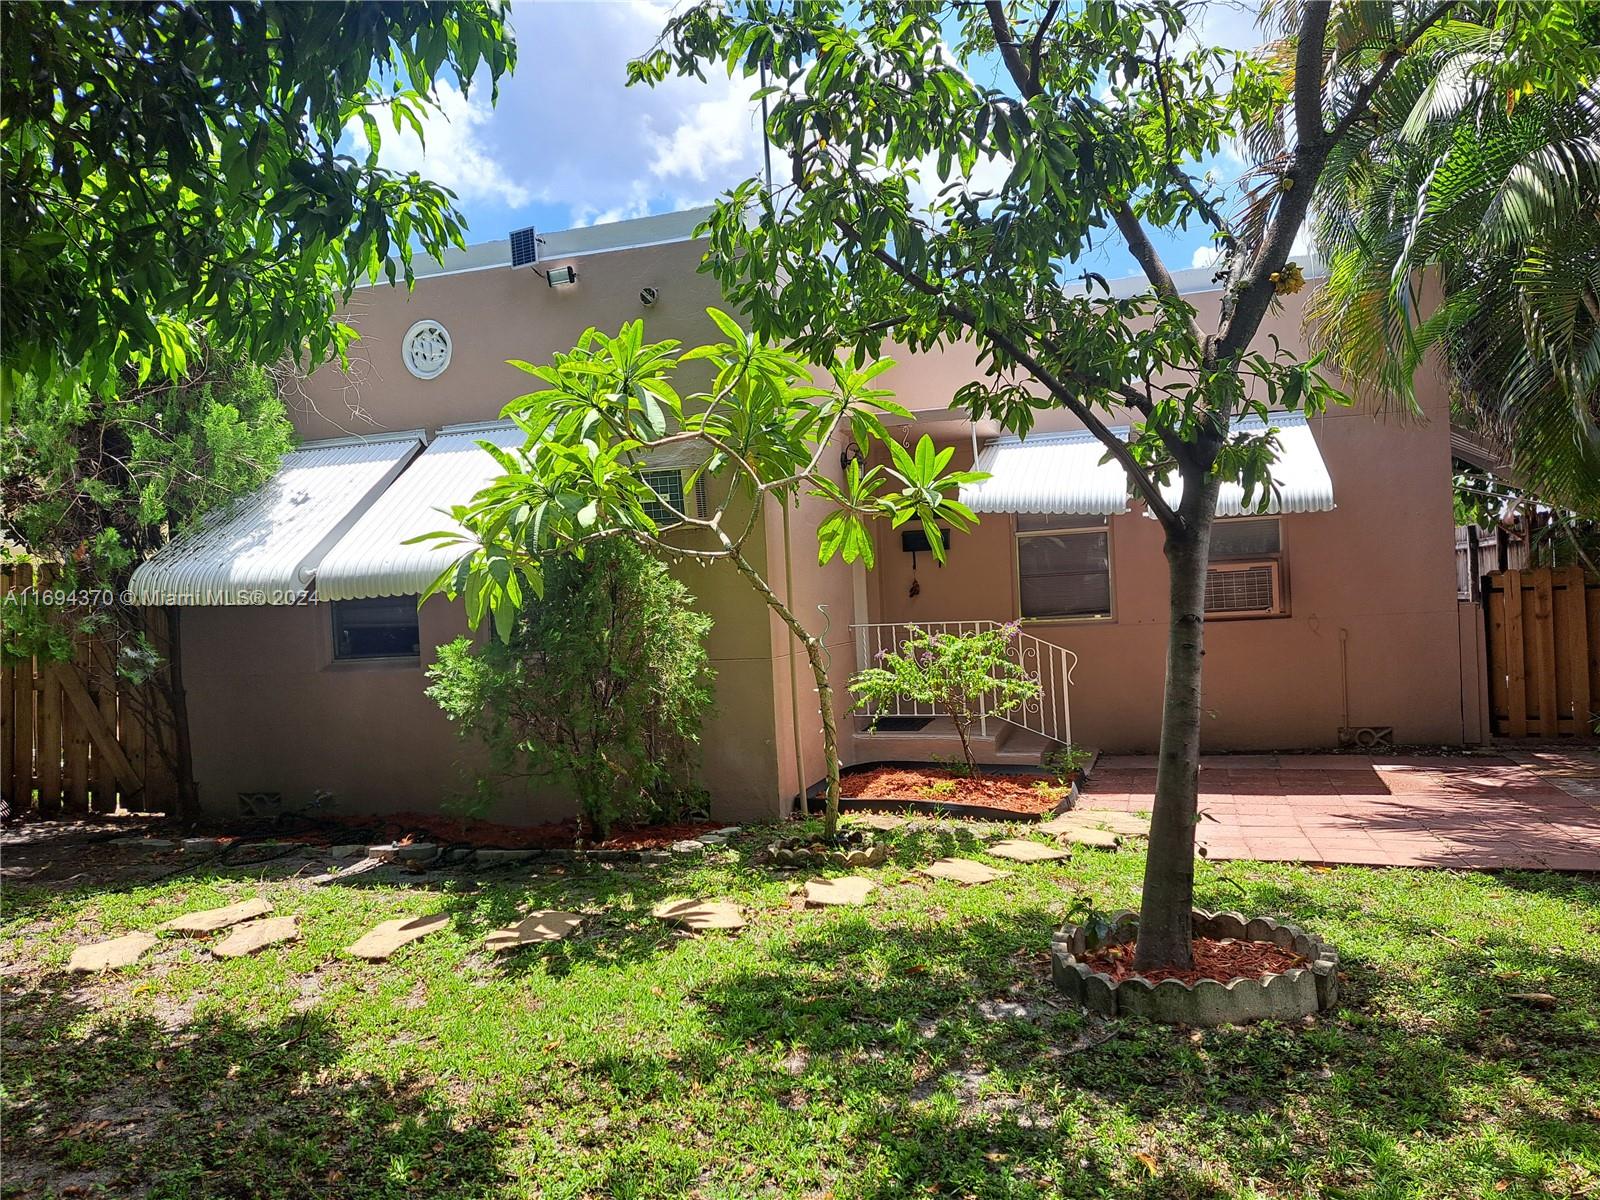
[
  {"x": 372, "y": 558},
  {"x": 264, "y": 548},
  {"x": 1048, "y": 473},
  {"x": 1300, "y": 480},
  {"x": 1063, "y": 473}
]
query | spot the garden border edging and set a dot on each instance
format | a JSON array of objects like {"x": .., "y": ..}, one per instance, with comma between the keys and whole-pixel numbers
[
  {"x": 816, "y": 795},
  {"x": 1298, "y": 992}
]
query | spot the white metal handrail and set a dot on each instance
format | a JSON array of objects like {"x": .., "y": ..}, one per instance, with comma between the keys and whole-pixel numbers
[{"x": 1049, "y": 714}]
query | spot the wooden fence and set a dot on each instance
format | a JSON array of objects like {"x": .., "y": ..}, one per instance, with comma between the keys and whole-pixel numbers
[
  {"x": 1544, "y": 651},
  {"x": 74, "y": 738}
]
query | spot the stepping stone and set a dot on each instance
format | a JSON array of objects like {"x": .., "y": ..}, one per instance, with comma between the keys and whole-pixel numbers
[
  {"x": 1022, "y": 850},
  {"x": 383, "y": 940},
  {"x": 1070, "y": 827},
  {"x": 700, "y": 914},
  {"x": 848, "y": 889},
  {"x": 962, "y": 870},
  {"x": 884, "y": 821},
  {"x": 209, "y": 920},
  {"x": 1087, "y": 835},
  {"x": 547, "y": 925},
  {"x": 257, "y": 935},
  {"x": 1116, "y": 820},
  {"x": 108, "y": 955}
]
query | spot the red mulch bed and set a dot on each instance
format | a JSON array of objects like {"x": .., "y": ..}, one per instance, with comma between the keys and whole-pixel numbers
[
  {"x": 1222, "y": 961},
  {"x": 447, "y": 830},
  {"x": 1014, "y": 792}
]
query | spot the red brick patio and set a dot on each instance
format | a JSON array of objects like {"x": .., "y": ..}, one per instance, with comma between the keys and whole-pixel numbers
[{"x": 1530, "y": 809}]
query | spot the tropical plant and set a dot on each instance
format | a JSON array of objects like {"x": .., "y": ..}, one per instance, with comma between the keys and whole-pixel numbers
[
  {"x": 967, "y": 676},
  {"x": 1468, "y": 223},
  {"x": 603, "y": 686},
  {"x": 919, "y": 202},
  {"x": 759, "y": 434},
  {"x": 171, "y": 175},
  {"x": 1065, "y": 762},
  {"x": 91, "y": 483}
]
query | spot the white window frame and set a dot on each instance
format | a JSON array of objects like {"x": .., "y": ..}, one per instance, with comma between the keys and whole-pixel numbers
[{"x": 1104, "y": 527}]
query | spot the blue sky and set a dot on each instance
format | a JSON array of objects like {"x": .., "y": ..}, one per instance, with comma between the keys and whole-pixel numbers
[{"x": 569, "y": 144}]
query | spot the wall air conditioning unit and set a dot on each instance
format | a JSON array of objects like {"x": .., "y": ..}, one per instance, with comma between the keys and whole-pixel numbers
[
  {"x": 524, "y": 247},
  {"x": 1244, "y": 589}
]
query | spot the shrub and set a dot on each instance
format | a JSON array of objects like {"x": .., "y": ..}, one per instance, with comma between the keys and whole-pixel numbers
[
  {"x": 960, "y": 674},
  {"x": 603, "y": 686}
]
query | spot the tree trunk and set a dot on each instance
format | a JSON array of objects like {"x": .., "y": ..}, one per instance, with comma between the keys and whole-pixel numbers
[
  {"x": 962, "y": 724},
  {"x": 1165, "y": 912},
  {"x": 830, "y": 737}
]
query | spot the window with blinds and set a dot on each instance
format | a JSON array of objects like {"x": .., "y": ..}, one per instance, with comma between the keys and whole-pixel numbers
[
  {"x": 1245, "y": 578},
  {"x": 1063, "y": 567}
]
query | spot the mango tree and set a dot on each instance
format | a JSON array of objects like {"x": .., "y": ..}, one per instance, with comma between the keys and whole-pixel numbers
[{"x": 943, "y": 166}]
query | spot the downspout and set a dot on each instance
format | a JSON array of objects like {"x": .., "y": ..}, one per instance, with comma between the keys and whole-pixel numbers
[
  {"x": 794, "y": 668},
  {"x": 1344, "y": 676}
]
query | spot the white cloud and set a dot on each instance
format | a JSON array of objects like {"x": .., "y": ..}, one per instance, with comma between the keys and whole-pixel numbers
[
  {"x": 710, "y": 140},
  {"x": 1205, "y": 256},
  {"x": 454, "y": 153},
  {"x": 569, "y": 133}
]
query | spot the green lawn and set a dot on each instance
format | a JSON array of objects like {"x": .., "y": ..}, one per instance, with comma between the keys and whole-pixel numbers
[{"x": 912, "y": 1048}]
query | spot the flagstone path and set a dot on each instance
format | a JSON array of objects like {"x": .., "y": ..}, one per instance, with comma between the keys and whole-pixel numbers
[
  {"x": 700, "y": 914},
  {"x": 108, "y": 955},
  {"x": 209, "y": 920},
  {"x": 257, "y": 935},
  {"x": 1023, "y": 850},
  {"x": 845, "y": 890},
  {"x": 379, "y": 942},
  {"x": 548, "y": 925},
  {"x": 962, "y": 870}
]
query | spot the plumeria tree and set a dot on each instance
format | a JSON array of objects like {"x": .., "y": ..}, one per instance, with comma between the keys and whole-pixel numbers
[
  {"x": 919, "y": 202},
  {"x": 757, "y": 435}
]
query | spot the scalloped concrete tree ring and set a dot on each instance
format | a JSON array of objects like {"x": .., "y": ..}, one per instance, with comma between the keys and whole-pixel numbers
[{"x": 1288, "y": 996}]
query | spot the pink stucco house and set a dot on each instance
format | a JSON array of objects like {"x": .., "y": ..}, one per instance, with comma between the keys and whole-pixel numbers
[{"x": 1336, "y": 617}]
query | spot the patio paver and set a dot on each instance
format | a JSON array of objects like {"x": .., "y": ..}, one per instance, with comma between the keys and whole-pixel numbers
[{"x": 1533, "y": 810}]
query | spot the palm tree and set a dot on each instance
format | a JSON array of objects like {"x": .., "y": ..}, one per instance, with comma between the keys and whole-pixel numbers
[{"x": 1482, "y": 180}]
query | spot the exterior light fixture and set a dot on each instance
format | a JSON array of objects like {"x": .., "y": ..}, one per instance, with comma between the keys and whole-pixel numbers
[{"x": 561, "y": 276}]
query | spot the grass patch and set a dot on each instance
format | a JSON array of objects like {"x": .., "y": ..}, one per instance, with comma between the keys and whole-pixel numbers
[{"x": 913, "y": 1047}]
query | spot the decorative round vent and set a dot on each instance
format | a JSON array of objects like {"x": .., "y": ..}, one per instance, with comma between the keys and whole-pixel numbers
[{"x": 426, "y": 349}]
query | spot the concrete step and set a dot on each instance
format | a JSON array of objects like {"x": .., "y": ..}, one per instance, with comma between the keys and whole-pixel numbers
[
  {"x": 936, "y": 740},
  {"x": 1004, "y": 744},
  {"x": 1025, "y": 748}
]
